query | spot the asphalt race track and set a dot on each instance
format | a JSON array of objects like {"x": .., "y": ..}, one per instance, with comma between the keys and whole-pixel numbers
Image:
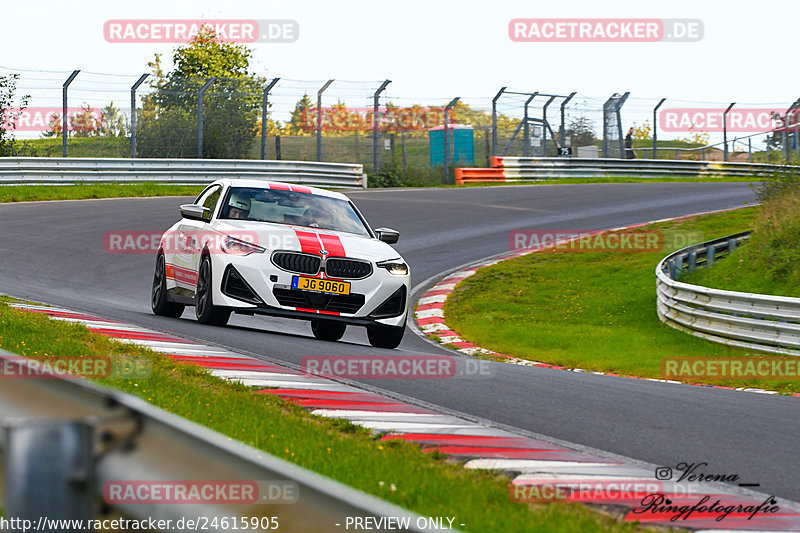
[{"x": 53, "y": 252}]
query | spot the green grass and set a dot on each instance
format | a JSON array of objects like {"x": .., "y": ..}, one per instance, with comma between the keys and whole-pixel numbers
[
  {"x": 78, "y": 147},
  {"x": 595, "y": 311},
  {"x": 30, "y": 193},
  {"x": 426, "y": 483},
  {"x": 769, "y": 263}
]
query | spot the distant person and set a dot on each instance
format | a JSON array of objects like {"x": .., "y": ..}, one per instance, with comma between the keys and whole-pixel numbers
[{"x": 630, "y": 153}]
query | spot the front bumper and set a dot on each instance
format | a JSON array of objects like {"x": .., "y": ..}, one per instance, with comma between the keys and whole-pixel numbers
[{"x": 253, "y": 285}]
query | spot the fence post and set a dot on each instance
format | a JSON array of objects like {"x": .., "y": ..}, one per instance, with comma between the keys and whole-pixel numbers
[
  {"x": 133, "y": 113},
  {"x": 494, "y": 120},
  {"x": 488, "y": 148},
  {"x": 357, "y": 147},
  {"x": 376, "y": 155},
  {"x": 65, "y": 123},
  {"x": 278, "y": 147},
  {"x": 264, "y": 118},
  {"x": 545, "y": 125},
  {"x": 319, "y": 118},
  {"x": 200, "y": 116},
  {"x": 655, "y": 128},
  {"x": 562, "y": 131},
  {"x": 446, "y": 132},
  {"x": 403, "y": 149},
  {"x": 725, "y": 129},
  {"x": 526, "y": 130}
]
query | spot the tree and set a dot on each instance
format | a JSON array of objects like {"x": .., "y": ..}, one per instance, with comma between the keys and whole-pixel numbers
[
  {"x": 301, "y": 121},
  {"x": 8, "y": 113},
  {"x": 112, "y": 122},
  {"x": 581, "y": 131},
  {"x": 232, "y": 103}
]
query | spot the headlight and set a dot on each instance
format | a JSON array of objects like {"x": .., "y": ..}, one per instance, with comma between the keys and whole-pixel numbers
[
  {"x": 237, "y": 247},
  {"x": 395, "y": 267}
]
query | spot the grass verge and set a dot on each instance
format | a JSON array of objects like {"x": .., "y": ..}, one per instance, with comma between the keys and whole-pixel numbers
[
  {"x": 595, "y": 311},
  {"x": 33, "y": 193},
  {"x": 396, "y": 471}
]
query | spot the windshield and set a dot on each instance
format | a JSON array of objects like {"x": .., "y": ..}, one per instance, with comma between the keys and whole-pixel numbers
[{"x": 293, "y": 208}]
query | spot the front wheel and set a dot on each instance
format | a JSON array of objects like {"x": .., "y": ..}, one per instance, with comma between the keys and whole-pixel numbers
[
  {"x": 159, "y": 303},
  {"x": 328, "y": 330},
  {"x": 204, "y": 308},
  {"x": 385, "y": 336}
]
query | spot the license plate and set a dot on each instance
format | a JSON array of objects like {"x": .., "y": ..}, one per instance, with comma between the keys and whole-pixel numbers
[{"x": 320, "y": 285}]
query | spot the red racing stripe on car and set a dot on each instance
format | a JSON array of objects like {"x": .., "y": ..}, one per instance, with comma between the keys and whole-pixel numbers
[
  {"x": 300, "y": 188},
  {"x": 333, "y": 244},
  {"x": 315, "y": 311},
  {"x": 181, "y": 275},
  {"x": 280, "y": 186},
  {"x": 309, "y": 243}
]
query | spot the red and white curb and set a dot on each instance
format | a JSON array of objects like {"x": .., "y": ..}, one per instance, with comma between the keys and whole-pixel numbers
[
  {"x": 530, "y": 462},
  {"x": 431, "y": 322}
]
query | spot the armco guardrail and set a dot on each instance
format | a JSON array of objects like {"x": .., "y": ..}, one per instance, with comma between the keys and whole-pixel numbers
[
  {"x": 753, "y": 321},
  {"x": 61, "y": 171},
  {"x": 512, "y": 169},
  {"x": 63, "y": 440}
]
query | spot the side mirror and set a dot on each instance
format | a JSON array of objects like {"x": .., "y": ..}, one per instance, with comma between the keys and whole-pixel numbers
[
  {"x": 194, "y": 212},
  {"x": 389, "y": 236}
]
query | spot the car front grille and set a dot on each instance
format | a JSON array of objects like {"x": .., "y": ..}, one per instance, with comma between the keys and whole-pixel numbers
[
  {"x": 336, "y": 303},
  {"x": 297, "y": 262},
  {"x": 347, "y": 268}
]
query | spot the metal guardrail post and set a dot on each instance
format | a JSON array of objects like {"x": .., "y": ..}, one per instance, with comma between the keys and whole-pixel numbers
[
  {"x": 49, "y": 469},
  {"x": 725, "y": 129},
  {"x": 376, "y": 155},
  {"x": 494, "y": 119},
  {"x": 264, "y": 105},
  {"x": 655, "y": 127},
  {"x": 200, "y": 116},
  {"x": 446, "y": 131},
  {"x": 526, "y": 131},
  {"x": 133, "y": 113},
  {"x": 64, "y": 119}
]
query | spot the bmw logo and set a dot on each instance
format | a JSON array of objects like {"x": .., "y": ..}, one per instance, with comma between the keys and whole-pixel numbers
[{"x": 323, "y": 252}]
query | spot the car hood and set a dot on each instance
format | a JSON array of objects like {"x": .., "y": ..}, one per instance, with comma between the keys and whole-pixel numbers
[{"x": 309, "y": 240}]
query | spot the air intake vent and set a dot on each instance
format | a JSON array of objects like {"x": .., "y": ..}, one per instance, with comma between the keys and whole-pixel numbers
[
  {"x": 296, "y": 262},
  {"x": 347, "y": 268}
]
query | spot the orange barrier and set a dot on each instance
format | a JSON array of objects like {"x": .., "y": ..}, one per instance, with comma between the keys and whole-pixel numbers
[{"x": 478, "y": 175}]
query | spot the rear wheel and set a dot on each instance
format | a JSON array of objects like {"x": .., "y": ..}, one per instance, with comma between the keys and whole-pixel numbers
[
  {"x": 204, "y": 308},
  {"x": 159, "y": 303},
  {"x": 385, "y": 336},
  {"x": 327, "y": 330}
]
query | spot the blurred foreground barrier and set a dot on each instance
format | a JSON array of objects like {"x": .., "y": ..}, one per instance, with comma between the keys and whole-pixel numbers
[{"x": 70, "y": 450}]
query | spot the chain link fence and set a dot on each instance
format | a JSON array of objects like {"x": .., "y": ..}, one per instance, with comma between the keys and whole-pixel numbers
[{"x": 395, "y": 135}]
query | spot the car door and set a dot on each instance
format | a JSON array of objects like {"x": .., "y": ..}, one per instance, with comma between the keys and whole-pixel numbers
[{"x": 190, "y": 240}]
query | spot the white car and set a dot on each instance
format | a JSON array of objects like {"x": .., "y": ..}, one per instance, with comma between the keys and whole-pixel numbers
[{"x": 259, "y": 247}]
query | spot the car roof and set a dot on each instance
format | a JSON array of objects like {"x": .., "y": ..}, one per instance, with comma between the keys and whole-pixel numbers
[{"x": 279, "y": 185}]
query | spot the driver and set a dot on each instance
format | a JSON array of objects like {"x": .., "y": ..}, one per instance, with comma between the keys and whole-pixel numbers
[{"x": 238, "y": 206}]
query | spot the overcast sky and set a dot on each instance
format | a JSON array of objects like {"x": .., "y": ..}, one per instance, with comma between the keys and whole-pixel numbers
[{"x": 434, "y": 50}]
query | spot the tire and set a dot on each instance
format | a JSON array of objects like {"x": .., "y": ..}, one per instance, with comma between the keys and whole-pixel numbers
[
  {"x": 159, "y": 303},
  {"x": 204, "y": 308},
  {"x": 328, "y": 330},
  {"x": 385, "y": 336}
]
